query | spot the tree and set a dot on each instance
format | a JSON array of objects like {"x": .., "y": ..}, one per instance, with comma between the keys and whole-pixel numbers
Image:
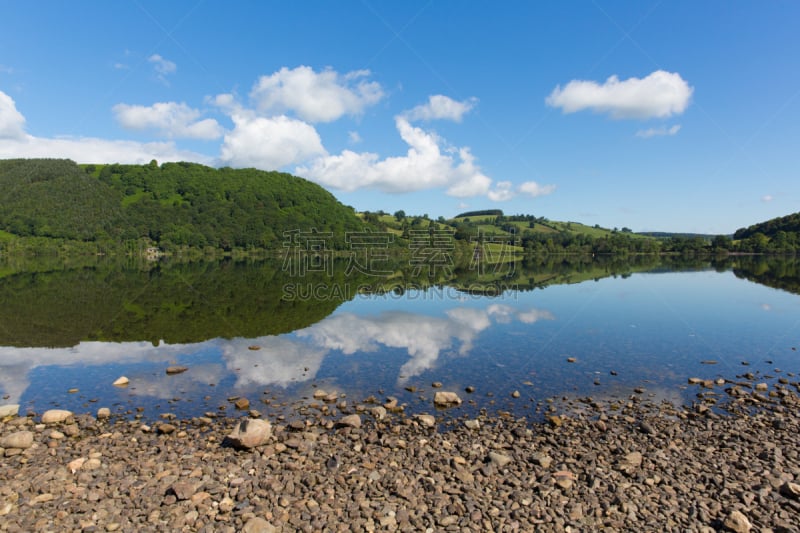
[{"x": 400, "y": 215}]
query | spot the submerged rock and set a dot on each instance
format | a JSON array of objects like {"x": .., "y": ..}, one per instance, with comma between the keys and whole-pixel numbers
[{"x": 446, "y": 399}]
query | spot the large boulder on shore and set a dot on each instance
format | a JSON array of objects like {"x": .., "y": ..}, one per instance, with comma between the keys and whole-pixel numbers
[
  {"x": 9, "y": 410},
  {"x": 19, "y": 440},
  {"x": 249, "y": 433},
  {"x": 56, "y": 416}
]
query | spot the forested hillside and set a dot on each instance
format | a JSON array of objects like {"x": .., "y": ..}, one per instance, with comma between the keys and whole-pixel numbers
[
  {"x": 790, "y": 224},
  {"x": 174, "y": 204}
]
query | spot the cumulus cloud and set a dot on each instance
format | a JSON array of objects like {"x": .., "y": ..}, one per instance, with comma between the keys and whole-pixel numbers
[
  {"x": 171, "y": 119},
  {"x": 12, "y": 123},
  {"x": 82, "y": 149},
  {"x": 660, "y": 94},
  {"x": 16, "y": 364},
  {"x": 504, "y": 190},
  {"x": 315, "y": 96},
  {"x": 531, "y": 188},
  {"x": 655, "y": 132},
  {"x": 427, "y": 164},
  {"x": 94, "y": 150},
  {"x": 269, "y": 143},
  {"x": 353, "y": 137},
  {"x": 281, "y": 361},
  {"x": 163, "y": 67},
  {"x": 442, "y": 107},
  {"x": 501, "y": 192},
  {"x": 424, "y": 340}
]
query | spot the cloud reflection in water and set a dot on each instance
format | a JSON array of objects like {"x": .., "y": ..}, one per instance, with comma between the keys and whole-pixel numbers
[{"x": 280, "y": 360}]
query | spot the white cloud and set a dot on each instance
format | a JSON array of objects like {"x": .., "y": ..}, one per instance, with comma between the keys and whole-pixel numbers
[
  {"x": 163, "y": 67},
  {"x": 502, "y": 192},
  {"x": 654, "y": 132},
  {"x": 767, "y": 198},
  {"x": 6, "y": 70},
  {"x": 532, "y": 188},
  {"x": 534, "y": 315},
  {"x": 281, "y": 361},
  {"x": 424, "y": 166},
  {"x": 171, "y": 119},
  {"x": 424, "y": 340},
  {"x": 660, "y": 94},
  {"x": 442, "y": 107},
  {"x": 81, "y": 149},
  {"x": 269, "y": 143},
  {"x": 353, "y": 137},
  {"x": 12, "y": 123},
  {"x": 315, "y": 96},
  {"x": 94, "y": 150}
]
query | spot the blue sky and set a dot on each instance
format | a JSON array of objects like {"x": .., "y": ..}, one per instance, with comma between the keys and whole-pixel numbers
[{"x": 679, "y": 116}]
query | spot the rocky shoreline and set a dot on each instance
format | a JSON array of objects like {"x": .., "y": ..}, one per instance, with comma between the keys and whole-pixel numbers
[{"x": 592, "y": 465}]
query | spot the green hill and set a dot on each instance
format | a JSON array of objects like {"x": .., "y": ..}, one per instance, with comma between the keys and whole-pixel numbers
[
  {"x": 174, "y": 204},
  {"x": 790, "y": 224}
]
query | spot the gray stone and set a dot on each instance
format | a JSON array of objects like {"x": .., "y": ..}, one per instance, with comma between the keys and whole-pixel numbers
[
  {"x": 426, "y": 420},
  {"x": 9, "y": 410},
  {"x": 249, "y": 433},
  {"x": 499, "y": 459},
  {"x": 319, "y": 394},
  {"x": 737, "y": 522},
  {"x": 445, "y": 399},
  {"x": 56, "y": 416},
  {"x": 353, "y": 421},
  {"x": 19, "y": 440},
  {"x": 542, "y": 459},
  {"x": 258, "y": 525},
  {"x": 472, "y": 424},
  {"x": 183, "y": 490},
  {"x": 791, "y": 490}
]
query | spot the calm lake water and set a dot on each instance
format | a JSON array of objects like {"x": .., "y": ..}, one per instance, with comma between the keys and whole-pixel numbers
[{"x": 251, "y": 329}]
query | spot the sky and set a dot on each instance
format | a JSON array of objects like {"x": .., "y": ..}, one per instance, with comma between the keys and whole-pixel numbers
[{"x": 652, "y": 115}]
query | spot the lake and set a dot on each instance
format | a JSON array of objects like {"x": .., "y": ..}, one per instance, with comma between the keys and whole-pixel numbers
[{"x": 547, "y": 328}]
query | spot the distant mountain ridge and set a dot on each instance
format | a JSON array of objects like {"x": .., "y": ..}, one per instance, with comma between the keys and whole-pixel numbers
[{"x": 672, "y": 235}]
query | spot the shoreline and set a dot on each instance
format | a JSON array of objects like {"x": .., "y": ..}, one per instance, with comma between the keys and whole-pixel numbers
[{"x": 592, "y": 465}]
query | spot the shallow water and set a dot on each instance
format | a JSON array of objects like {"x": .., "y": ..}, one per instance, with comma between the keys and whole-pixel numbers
[{"x": 651, "y": 329}]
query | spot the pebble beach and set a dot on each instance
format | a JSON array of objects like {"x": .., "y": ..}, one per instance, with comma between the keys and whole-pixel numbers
[{"x": 588, "y": 465}]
